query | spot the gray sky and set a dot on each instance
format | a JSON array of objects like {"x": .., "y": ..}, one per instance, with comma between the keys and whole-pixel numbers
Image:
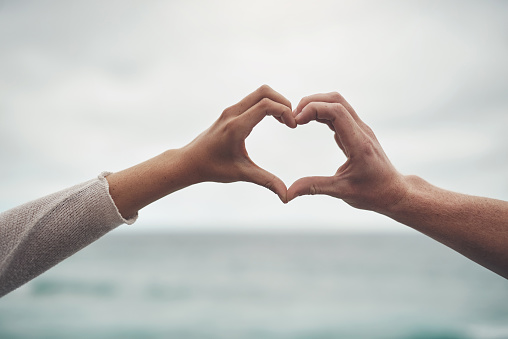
[{"x": 88, "y": 86}]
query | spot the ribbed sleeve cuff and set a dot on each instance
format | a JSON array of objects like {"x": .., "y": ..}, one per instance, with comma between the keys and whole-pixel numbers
[{"x": 115, "y": 211}]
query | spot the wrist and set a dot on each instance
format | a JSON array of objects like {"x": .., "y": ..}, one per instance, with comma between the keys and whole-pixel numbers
[
  {"x": 142, "y": 184},
  {"x": 191, "y": 163},
  {"x": 409, "y": 188},
  {"x": 179, "y": 169}
]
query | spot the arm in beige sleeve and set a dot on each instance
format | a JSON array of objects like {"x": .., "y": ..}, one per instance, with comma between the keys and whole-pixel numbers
[
  {"x": 39, "y": 234},
  {"x": 473, "y": 226}
]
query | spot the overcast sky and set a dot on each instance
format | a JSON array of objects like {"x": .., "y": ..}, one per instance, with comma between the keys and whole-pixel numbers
[{"x": 88, "y": 86}]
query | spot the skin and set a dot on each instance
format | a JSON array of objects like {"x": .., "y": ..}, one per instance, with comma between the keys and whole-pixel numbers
[
  {"x": 476, "y": 227},
  {"x": 218, "y": 154}
]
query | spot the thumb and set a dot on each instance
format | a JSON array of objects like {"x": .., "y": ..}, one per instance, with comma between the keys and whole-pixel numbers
[
  {"x": 259, "y": 176},
  {"x": 311, "y": 186}
]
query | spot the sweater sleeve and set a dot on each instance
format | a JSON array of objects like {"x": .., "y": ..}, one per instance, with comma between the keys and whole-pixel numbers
[{"x": 39, "y": 234}]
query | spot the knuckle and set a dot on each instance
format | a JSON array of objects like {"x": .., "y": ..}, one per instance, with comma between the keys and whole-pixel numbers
[
  {"x": 264, "y": 90},
  {"x": 269, "y": 185},
  {"x": 228, "y": 111},
  {"x": 338, "y": 110},
  {"x": 231, "y": 126},
  {"x": 305, "y": 99},
  {"x": 368, "y": 130},
  {"x": 284, "y": 110},
  {"x": 288, "y": 112},
  {"x": 336, "y": 96},
  {"x": 315, "y": 106},
  {"x": 313, "y": 190},
  {"x": 368, "y": 147},
  {"x": 309, "y": 105},
  {"x": 265, "y": 103}
]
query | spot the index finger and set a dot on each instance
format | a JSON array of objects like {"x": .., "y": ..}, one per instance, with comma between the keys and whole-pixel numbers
[
  {"x": 332, "y": 97},
  {"x": 338, "y": 116},
  {"x": 256, "y": 113},
  {"x": 262, "y": 92}
]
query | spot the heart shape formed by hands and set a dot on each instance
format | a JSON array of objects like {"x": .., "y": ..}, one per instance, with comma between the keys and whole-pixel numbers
[
  {"x": 291, "y": 154},
  {"x": 365, "y": 180}
]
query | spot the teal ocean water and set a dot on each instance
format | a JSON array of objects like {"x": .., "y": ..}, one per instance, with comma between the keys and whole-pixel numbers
[{"x": 260, "y": 286}]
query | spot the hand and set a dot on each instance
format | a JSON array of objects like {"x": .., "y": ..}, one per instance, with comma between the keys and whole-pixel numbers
[
  {"x": 367, "y": 179},
  {"x": 219, "y": 153}
]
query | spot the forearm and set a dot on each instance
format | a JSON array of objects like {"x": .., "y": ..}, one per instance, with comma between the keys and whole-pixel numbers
[
  {"x": 140, "y": 185},
  {"x": 474, "y": 226}
]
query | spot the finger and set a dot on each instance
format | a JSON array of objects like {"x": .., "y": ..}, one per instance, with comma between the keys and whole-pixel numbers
[
  {"x": 256, "y": 113},
  {"x": 339, "y": 143},
  {"x": 259, "y": 176},
  {"x": 281, "y": 120},
  {"x": 312, "y": 186},
  {"x": 327, "y": 123},
  {"x": 343, "y": 123},
  {"x": 332, "y": 97},
  {"x": 262, "y": 92}
]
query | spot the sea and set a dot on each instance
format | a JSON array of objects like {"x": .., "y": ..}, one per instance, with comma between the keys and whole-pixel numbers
[{"x": 260, "y": 285}]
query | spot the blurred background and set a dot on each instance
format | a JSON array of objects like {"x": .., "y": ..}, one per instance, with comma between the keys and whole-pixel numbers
[{"x": 88, "y": 86}]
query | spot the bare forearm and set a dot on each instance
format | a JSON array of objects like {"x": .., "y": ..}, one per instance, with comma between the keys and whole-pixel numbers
[
  {"x": 140, "y": 185},
  {"x": 474, "y": 226}
]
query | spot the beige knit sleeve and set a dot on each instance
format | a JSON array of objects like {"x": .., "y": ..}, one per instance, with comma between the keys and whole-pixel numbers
[{"x": 39, "y": 234}]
